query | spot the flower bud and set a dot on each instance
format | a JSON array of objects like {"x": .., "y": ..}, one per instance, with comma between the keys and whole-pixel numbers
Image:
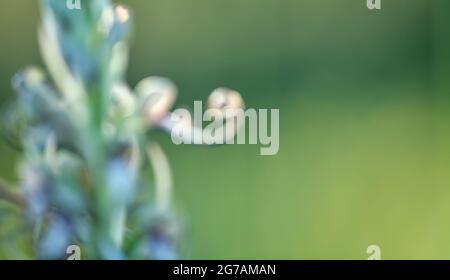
[
  {"x": 223, "y": 99},
  {"x": 157, "y": 95}
]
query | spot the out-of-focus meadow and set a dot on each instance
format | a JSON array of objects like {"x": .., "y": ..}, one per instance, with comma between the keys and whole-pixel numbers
[{"x": 364, "y": 132}]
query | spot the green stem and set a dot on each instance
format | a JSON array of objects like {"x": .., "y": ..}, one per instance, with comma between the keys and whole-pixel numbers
[{"x": 7, "y": 195}]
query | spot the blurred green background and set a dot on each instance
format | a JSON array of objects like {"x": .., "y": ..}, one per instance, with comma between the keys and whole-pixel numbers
[{"x": 364, "y": 132}]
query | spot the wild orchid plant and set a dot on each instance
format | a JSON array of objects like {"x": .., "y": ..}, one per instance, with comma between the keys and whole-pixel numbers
[{"x": 87, "y": 145}]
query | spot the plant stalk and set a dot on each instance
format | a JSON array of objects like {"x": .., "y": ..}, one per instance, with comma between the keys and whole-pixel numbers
[{"x": 7, "y": 195}]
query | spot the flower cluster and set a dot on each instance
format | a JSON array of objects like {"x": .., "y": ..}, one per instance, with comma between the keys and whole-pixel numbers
[{"x": 86, "y": 139}]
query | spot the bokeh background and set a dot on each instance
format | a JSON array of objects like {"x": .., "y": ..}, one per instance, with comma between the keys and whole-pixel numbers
[{"x": 364, "y": 99}]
